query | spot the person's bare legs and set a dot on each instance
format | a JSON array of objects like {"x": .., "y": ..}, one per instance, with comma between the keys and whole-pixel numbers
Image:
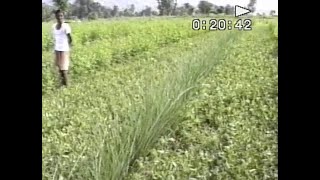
[
  {"x": 62, "y": 63},
  {"x": 64, "y": 66},
  {"x": 64, "y": 75}
]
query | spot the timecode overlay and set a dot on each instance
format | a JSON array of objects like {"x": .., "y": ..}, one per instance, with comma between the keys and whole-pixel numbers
[{"x": 222, "y": 24}]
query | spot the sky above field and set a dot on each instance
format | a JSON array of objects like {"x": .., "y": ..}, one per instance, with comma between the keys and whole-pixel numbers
[{"x": 261, "y": 6}]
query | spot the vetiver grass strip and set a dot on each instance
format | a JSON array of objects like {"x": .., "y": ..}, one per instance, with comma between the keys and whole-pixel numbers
[
  {"x": 230, "y": 128},
  {"x": 89, "y": 116}
]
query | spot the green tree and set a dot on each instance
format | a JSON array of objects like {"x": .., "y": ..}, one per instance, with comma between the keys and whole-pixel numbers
[
  {"x": 272, "y": 12},
  {"x": 229, "y": 10},
  {"x": 61, "y": 4},
  {"x": 146, "y": 12},
  {"x": 252, "y": 5},
  {"x": 220, "y": 10},
  {"x": 154, "y": 13},
  {"x": 93, "y": 16},
  {"x": 115, "y": 11},
  {"x": 132, "y": 9},
  {"x": 46, "y": 12},
  {"x": 84, "y": 7},
  {"x": 129, "y": 11},
  {"x": 107, "y": 12},
  {"x": 180, "y": 11},
  {"x": 95, "y": 7},
  {"x": 167, "y": 7},
  {"x": 205, "y": 7},
  {"x": 189, "y": 8}
]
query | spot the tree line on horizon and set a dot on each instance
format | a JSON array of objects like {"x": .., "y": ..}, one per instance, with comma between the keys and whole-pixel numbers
[{"x": 88, "y": 9}]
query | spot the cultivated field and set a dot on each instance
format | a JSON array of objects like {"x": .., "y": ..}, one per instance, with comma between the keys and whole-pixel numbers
[{"x": 153, "y": 99}]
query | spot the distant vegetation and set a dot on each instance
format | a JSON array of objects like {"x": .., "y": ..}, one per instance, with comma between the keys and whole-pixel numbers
[{"x": 88, "y": 9}]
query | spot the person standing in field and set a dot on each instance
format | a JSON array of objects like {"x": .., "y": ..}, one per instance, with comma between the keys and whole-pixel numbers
[{"x": 62, "y": 43}]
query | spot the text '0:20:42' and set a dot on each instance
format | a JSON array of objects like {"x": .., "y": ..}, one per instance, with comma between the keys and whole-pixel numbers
[{"x": 222, "y": 24}]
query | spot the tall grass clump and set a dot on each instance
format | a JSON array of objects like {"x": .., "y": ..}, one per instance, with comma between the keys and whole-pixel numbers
[
  {"x": 159, "y": 110},
  {"x": 77, "y": 120},
  {"x": 273, "y": 30}
]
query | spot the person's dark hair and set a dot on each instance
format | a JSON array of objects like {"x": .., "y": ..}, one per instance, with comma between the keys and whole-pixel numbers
[{"x": 58, "y": 11}]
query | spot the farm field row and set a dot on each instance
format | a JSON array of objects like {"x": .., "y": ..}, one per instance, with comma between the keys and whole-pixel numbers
[
  {"x": 86, "y": 32},
  {"x": 105, "y": 52}
]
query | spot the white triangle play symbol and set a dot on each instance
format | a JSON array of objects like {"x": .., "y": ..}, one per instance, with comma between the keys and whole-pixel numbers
[{"x": 239, "y": 11}]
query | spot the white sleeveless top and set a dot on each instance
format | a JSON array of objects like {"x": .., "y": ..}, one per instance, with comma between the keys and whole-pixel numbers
[{"x": 61, "y": 38}]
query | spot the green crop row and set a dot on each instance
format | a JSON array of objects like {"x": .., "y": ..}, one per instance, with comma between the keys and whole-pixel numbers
[
  {"x": 103, "y": 53},
  {"x": 87, "y": 32}
]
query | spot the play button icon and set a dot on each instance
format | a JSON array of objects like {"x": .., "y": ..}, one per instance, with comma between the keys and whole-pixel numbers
[{"x": 239, "y": 11}]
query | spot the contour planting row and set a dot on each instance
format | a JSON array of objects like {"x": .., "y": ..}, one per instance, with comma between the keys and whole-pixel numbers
[
  {"x": 103, "y": 53},
  {"x": 124, "y": 75},
  {"x": 230, "y": 129},
  {"x": 96, "y": 129},
  {"x": 107, "y": 30}
]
